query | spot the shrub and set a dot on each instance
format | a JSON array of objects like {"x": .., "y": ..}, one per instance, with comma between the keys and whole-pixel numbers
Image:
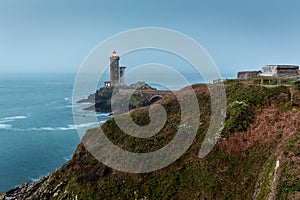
[{"x": 296, "y": 85}]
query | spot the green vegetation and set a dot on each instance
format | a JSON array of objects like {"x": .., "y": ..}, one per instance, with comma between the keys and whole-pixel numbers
[
  {"x": 296, "y": 85},
  {"x": 136, "y": 100},
  {"x": 265, "y": 183},
  {"x": 243, "y": 101},
  {"x": 241, "y": 163},
  {"x": 289, "y": 185}
]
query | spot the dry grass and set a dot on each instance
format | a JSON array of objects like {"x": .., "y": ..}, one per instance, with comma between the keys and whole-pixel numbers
[{"x": 270, "y": 126}]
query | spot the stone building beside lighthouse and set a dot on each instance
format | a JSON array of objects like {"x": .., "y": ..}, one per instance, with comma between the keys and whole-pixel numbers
[
  {"x": 117, "y": 74},
  {"x": 122, "y": 75}
]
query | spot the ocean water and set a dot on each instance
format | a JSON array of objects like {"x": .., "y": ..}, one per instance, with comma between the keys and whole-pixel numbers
[{"x": 37, "y": 132}]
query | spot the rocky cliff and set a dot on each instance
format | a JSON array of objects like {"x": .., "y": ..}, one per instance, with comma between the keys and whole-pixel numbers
[{"x": 257, "y": 156}]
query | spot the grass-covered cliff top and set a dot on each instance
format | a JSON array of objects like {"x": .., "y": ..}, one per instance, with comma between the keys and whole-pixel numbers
[{"x": 257, "y": 156}]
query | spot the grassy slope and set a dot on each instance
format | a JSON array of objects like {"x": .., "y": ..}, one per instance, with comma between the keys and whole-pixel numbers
[{"x": 258, "y": 131}]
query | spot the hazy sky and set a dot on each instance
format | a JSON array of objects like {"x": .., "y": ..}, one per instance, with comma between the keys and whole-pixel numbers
[{"x": 56, "y": 36}]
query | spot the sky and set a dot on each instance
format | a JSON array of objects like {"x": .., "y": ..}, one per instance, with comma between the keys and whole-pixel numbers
[{"x": 54, "y": 36}]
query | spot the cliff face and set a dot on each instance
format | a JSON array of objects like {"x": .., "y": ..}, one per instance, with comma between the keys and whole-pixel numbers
[{"x": 257, "y": 157}]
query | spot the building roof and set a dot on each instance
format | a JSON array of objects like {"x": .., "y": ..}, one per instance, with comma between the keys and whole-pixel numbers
[{"x": 281, "y": 67}]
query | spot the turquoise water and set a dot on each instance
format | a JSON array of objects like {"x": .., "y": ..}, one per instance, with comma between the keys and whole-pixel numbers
[{"x": 37, "y": 132}]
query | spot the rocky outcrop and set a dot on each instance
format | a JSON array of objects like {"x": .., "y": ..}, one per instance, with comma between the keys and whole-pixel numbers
[
  {"x": 102, "y": 98},
  {"x": 141, "y": 86},
  {"x": 90, "y": 99},
  {"x": 34, "y": 190}
]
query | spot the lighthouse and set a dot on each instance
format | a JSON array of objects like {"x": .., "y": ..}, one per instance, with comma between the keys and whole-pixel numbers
[
  {"x": 114, "y": 69},
  {"x": 117, "y": 74}
]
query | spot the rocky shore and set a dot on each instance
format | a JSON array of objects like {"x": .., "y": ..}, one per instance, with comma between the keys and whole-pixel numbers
[{"x": 28, "y": 191}]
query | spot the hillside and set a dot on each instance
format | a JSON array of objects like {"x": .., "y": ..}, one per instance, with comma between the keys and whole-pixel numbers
[{"x": 257, "y": 156}]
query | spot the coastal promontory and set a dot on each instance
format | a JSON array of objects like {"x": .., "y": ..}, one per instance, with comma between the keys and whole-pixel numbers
[{"x": 256, "y": 157}]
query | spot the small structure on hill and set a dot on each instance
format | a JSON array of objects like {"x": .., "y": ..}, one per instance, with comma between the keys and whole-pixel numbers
[
  {"x": 279, "y": 70},
  {"x": 271, "y": 71}
]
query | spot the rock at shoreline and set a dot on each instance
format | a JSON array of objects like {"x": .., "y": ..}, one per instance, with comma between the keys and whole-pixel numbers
[
  {"x": 102, "y": 98},
  {"x": 28, "y": 190},
  {"x": 90, "y": 99}
]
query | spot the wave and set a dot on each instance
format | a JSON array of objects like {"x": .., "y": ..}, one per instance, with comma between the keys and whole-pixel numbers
[
  {"x": 14, "y": 117},
  {"x": 67, "y": 158},
  {"x": 46, "y": 129},
  {"x": 5, "y": 121},
  {"x": 73, "y": 127},
  {"x": 34, "y": 179},
  {"x": 69, "y": 127},
  {"x": 10, "y": 119},
  {"x": 68, "y": 98},
  {"x": 69, "y": 106},
  {"x": 5, "y": 126},
  {"x": 37, "y": 179},
  {"x": 102, "y": 114},
  {"x": 72, "y": 105}
]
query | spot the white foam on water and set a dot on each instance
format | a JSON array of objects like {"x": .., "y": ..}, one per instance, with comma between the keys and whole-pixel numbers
[
  {"x": 5, "y": 121},
  {"x": 74, "y": 127},
  {"x": 14, "y": 117},
  {"x": 47, "y": 129},
  {"x": 69, "y": 127},
  {"x": 68, "y": 98},
  {"x": 33, "y": 179},
  {"x": 10, "y": 119},
  {"x": 102, "y": 114},
  {"x": 66, "y": 128},
  {"x": 5, "y": 126},
  {"x": 85, "y": 125},
  {"x": 36, "y": 179},
  {"x": 67, "y": 158}
]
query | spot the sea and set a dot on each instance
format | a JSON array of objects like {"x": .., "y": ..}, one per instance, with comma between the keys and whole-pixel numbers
[{"x": 37, "y": 131}]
